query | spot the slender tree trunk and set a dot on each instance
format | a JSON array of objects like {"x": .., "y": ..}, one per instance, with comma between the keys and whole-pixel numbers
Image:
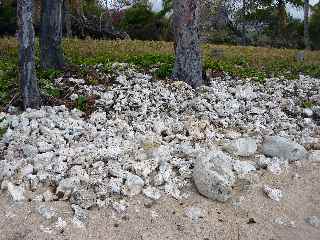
[
  {"x": 67, "y": 18},
  {"x": 188, "y": 65},
  {"x": 36, "y": 14},
  {"x": 282, "y": 15},
  {"x": 51, "y": 52},
  {"x": 244, "y": 12},
  {"x": 306, "y": 25},
  {"x": 27, "y": 74},
  {"x": 79, "y": 7}
]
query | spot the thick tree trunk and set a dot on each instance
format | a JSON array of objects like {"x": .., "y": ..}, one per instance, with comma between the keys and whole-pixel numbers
[
  {"x": 27, "y": 75},
  {"x": 51, "y": 52},
  {"x": 306, "y": 25},
  {"x": 67, "y": 18},
  {"x": 188, "y": 65}
]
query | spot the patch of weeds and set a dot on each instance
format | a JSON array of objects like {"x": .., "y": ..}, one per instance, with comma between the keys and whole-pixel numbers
[
  {"x": 236, "y": 70},
  {"x": 93, "y": 81},
  {"x": 3, "y": 128},
  {"x": 308, "y": 104},
  {"x": 106, "y": 68},
  {"x": 46, "y": 82},
  {"x": 8, "y": 81},
  {"x": 48, "y": 74},
  {"x": 150, "y": 145},
  {"x": 241, "y": 60},
  {"x": 164, "y": 71},
  {"x": 81, "y": 103},
  {"x": 215, "y": 65},
  {"x": 147, "y": 60},
  {"x": 2, "y": 132},
  {"x": 311, "y": 69},
  {"x": 48, "y": 88}
]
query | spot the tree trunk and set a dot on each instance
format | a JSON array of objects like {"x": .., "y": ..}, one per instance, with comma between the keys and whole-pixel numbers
[
  {"x": 27, "y": 75},
  {"x": 306, "y": 25},
  {"x": 188, "y": 65},
  {"x": 36, "y": 14},
  {"x": 79, "y": 7},
  {"x": 282, "y": 16},
  {"x": 67, "y": 18},
  {"x": 244, "y": 13},
  {"x": 51, "y": 52}
]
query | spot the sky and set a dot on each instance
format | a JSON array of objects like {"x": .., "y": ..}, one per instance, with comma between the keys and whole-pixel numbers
[
  {"x": 296, "y": 13},
  {"x": 157, "y": 4}
]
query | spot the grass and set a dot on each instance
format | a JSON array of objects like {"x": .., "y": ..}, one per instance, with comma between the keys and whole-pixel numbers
[
  {"x": 253, "y": 62},
  {"x": 3, "y": 129},
  {"x": 81, "y": 103}
]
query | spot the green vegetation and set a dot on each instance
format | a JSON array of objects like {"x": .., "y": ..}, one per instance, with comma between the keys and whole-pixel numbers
[
  {"x": 8, "y": 82},
  {"x": 3, "y": 130},
  {"x": 8, "y": 19},
  {"x": 46, "y": 78},
  {"x": 315, "y": 27},
  {"x": 308, "y": 104},
  {"x": 254, "y": 62},
  {"x": 81, "y": 103},
  {"x": 140, "y": 22}
]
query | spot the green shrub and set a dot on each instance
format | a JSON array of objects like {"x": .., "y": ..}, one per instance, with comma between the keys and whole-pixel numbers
[
  {"x": 315, "y": 27},
  {"x": 8, "y": 17},
  {"x": 224, "y": 36},
  {"x": 140, "y": 22}
]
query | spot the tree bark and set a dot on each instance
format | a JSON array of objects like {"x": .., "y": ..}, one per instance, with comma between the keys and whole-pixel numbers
[
  {"x": 51, "y": 52},
  {"x": 67, "y": 18},
  {"x": 36, "y": 14},
  {"x": 282, "y": 16},
  {"x": 27, "y": 74},
  {"x": 306, "y": 25},
  {"x": 188, "y": 64},
  {"x": 244, "y": 13}
]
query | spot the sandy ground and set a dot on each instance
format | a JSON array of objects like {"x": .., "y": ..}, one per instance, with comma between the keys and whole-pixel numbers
[{"x": 250, "y": 215}]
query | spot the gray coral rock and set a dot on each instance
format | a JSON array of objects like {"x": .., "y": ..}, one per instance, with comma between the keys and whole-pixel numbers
[
  {"x": 84, "y": 198},
  {"x": 243, "y": 147},
  {"x": 313, "y": 221},
  {"x": 67, "y": 186},
  {"x": 81, "y": 216},
  {"x": 47, "y": 212},
  {"x": 276, "y": 146},
  {"x": 194, "y": 213},
  {"x": 16, "y": 192},
  {"x": 213, "y": 176},
  {"x": 155, "y": 131},
  {"x": 314, "y": 156},
  {"x": 244, "y": 167},
  {"x": 152, "y": 193},
  {"x": 134, "y": 184}
]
